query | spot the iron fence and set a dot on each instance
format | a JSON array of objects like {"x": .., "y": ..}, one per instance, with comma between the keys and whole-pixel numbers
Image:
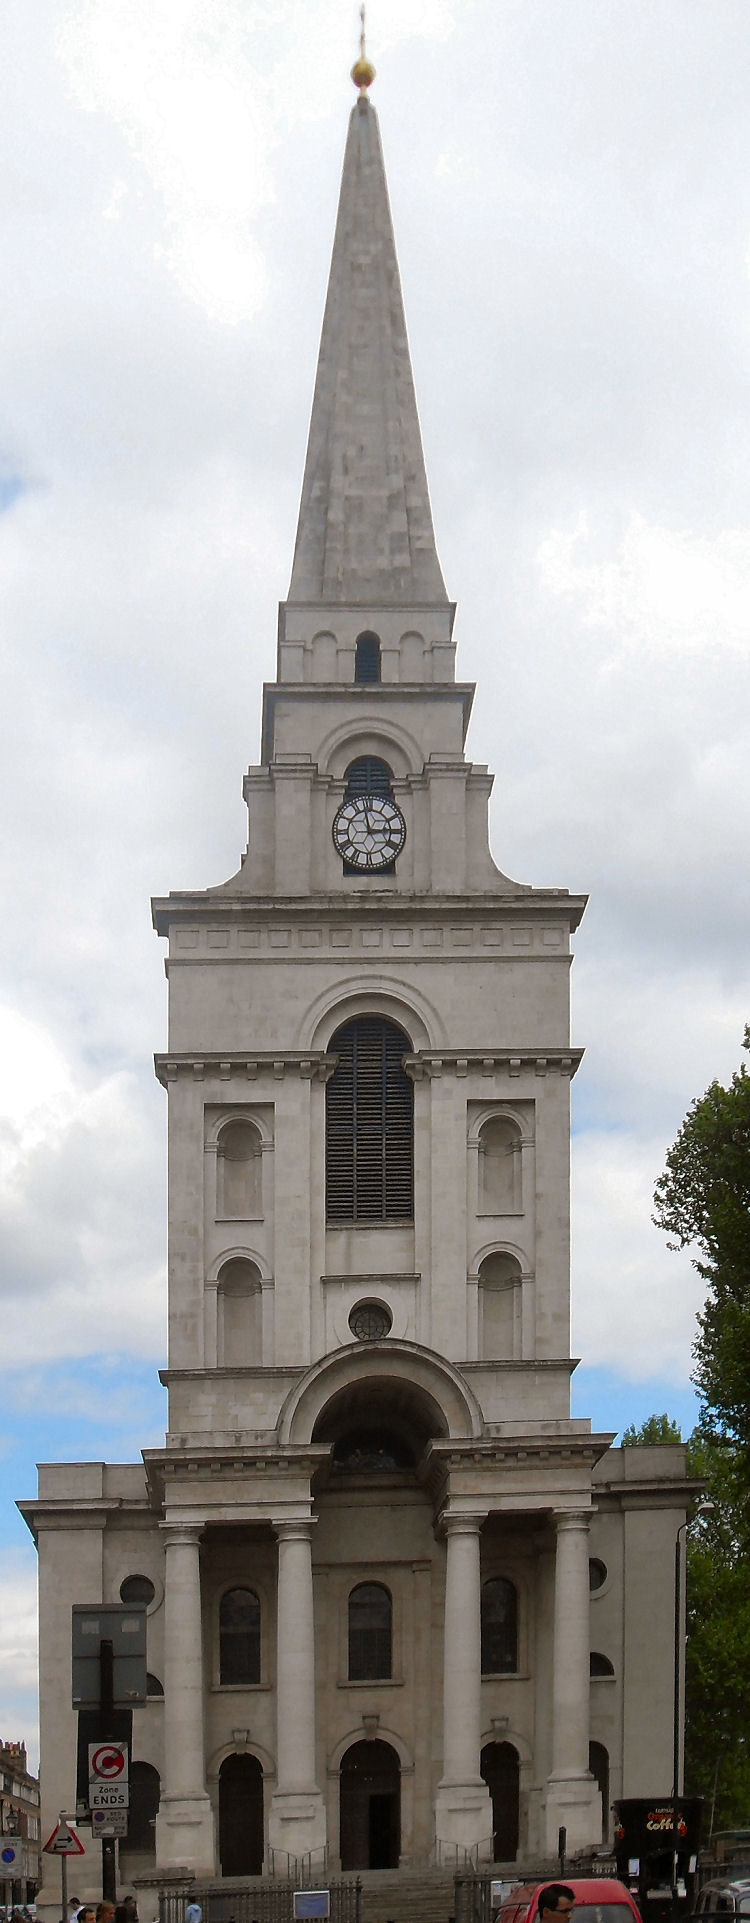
[{"x": 257, "y": 1899}]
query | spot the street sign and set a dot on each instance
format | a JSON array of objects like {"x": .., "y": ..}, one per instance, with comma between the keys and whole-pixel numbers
[
  {"x": 109, "y": 1822},
  {"x": 10, "y": 1855},
  {"x": 108, "y": 1795},
  {"x": 108, "y": 1762},
  {"x": 64, "y": 1842}
]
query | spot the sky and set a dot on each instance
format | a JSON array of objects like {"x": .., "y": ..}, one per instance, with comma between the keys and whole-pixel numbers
[{"x": 570, "y": 184}]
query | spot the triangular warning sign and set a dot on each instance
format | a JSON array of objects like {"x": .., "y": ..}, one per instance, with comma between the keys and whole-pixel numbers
[{"x": 64, "y": 1842}]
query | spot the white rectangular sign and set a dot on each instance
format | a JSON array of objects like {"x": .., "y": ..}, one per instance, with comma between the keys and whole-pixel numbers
[
  {"x": 109, "y": 1822},
  {"x": 108, "y": 1795}
]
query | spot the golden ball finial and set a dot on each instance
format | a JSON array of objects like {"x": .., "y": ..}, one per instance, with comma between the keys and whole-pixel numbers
[{"x": 363, "y": 72}]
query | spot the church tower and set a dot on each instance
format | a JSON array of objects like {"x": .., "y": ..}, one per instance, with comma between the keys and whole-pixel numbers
[
  {"x": 368, "y": 1077},
  {"x": 370, "y": 1541}
]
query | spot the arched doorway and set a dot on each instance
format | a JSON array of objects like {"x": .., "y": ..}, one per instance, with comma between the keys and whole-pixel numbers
[
  {"x": 499, "y": 1767},
  {"x": 599, "y": 1767},
  {"x": 241, "y": 1816},
  {"x": 370, "y": 1807},
  {"x": 144, "y": 1805}
]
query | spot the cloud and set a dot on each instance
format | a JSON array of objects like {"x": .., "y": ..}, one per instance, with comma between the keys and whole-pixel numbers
[
  {"x": 18, "y": 1651},
  {"x": 634, "y": 1301},
  {"x": 665, "y": 589},
  {"x": 74, "y": 1154}
]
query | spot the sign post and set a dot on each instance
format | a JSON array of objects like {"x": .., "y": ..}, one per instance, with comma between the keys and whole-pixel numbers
[
  {"x": 63, "y": 1843},
  {"x": 109, "y": 1669}
]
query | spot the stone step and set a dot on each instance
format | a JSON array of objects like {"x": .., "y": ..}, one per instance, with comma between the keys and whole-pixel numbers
[{"x": 401, "y": 1896}]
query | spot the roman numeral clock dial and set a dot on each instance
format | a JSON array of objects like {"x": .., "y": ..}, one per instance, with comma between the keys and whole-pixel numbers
[{"x": 369, "y": 831}]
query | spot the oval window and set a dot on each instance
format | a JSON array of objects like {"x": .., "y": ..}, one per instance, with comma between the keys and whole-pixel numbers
[{"x": 597, "y": 1574}]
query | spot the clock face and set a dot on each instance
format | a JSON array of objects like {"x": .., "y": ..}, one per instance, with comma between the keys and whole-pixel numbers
[{"x": 369, "y": 831}]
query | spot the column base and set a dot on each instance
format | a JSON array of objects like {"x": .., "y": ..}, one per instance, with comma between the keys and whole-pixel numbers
[
  {"x": 296, "y": 1826},
  {"x": 463, "y": 1821},
  {"x": 574, "y": 1801},
  {"x": 185, "y": 1837}
]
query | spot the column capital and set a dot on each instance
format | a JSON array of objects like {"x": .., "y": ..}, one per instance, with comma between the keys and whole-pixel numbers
[
  {"x": 293, "y": 1528},
  {"x": 454, "y": 1523},
  {"x": 186, "y": 1535},
  {"x": 565, "y": 1519}
]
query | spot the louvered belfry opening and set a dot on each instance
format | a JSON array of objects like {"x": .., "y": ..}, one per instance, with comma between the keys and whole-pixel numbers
[
  {"x": 369, "y": 1125},
  {"x": 368, "y": 775}
]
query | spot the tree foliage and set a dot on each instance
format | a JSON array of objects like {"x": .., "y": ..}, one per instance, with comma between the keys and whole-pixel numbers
[
  {"x": 703, "y": 1202},
  {"x": 717, "y": 1672},
  {"x": 654, "y": 1431}
]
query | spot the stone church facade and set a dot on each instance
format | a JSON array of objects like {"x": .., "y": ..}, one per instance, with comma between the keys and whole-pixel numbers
[{"x": 402, "y": 1608}]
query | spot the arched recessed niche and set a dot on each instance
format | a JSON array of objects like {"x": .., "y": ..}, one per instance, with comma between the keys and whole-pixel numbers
[{"x": 239, "y": 1307}]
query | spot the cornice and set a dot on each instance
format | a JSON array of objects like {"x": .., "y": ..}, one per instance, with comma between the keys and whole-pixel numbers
[
  {"x": 234, "y": 905},
  {"x": 312, "y": 1066},
  {"x": 75, "y": 1512},
  {"x": 500, "y": 1451}
]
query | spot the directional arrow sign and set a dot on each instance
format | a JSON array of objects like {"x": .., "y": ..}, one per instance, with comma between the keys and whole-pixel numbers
[{"x": 64, "y": 1842}]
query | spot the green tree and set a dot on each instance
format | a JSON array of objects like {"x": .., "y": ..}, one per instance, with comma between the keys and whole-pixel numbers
[
  {"x": 717, "y": 1670},
  {"x": 703, "y": 1202},
  {"x": 655, "y": 1430}
]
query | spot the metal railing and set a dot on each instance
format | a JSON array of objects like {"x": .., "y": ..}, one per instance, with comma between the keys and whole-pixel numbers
[{"x": 261, "y": 1899}]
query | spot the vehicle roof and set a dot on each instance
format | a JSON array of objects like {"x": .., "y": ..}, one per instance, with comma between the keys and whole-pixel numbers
[
  {"x": 726, "y": 1883},
  {"x": 587, "y": 1887}
]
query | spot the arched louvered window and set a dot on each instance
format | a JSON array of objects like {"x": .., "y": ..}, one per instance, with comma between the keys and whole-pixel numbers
[
  {"x": 368, "y": 775},
  {"x": 369, "y": 1125},
  {"x": 239, "y": 1637},
  {"x": 369, "y": 1633},
  {"x": 367, "y": 658},
  {"x": 499, "y": 1627}
]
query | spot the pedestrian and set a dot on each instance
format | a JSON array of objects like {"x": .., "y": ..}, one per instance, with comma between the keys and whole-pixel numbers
[
  {"x": 193, "y": 1913},
  {"x": 556, "y": 1900},
  {"x": 105, "y": 1912}
]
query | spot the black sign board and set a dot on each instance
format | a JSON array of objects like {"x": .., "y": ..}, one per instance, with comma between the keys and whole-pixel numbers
[{"x": 124, "y": 1630}]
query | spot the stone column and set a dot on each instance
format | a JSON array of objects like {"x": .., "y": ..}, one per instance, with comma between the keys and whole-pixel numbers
[
  {"x": 296, "y": 1823},
  {"x": 463, "y": 1812},
  {"x": 572, "y": 1795},
  {"x": 185, "y": 1825}
]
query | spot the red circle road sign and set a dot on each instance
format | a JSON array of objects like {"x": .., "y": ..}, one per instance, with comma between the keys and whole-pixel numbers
[{"x": 108, "y": 1762}]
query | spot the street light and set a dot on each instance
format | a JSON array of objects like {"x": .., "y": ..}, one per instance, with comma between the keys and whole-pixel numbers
[{"x": 703, "y": 1509}]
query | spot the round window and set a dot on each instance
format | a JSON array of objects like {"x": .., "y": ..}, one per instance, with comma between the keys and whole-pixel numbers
[
  {"x": 370, "y": 1321},
  {"x": 137, "y": 1589},
  {"x": 597, "y": 1574}
]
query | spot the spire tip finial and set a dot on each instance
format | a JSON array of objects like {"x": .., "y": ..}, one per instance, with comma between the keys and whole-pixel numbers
[{"x": 363, "y": 72}]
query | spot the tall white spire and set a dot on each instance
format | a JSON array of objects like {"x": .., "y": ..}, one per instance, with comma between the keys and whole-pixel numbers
[{"x": 365, "y": 530}]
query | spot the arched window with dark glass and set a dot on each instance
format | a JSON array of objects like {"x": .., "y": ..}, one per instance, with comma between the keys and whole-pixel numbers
[
  {"x": 499, "y": 1627},
  {"x": 369, "y": 1124},
  {"x": 239, "y": 1637},
  {"x": 600, "y": 1665},
  {"x": 367, "y": 658},
  {"x": 370, "y": 1633}
]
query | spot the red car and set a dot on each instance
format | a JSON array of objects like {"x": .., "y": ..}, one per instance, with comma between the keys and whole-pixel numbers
[{"x": 599, "y": 1899}]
